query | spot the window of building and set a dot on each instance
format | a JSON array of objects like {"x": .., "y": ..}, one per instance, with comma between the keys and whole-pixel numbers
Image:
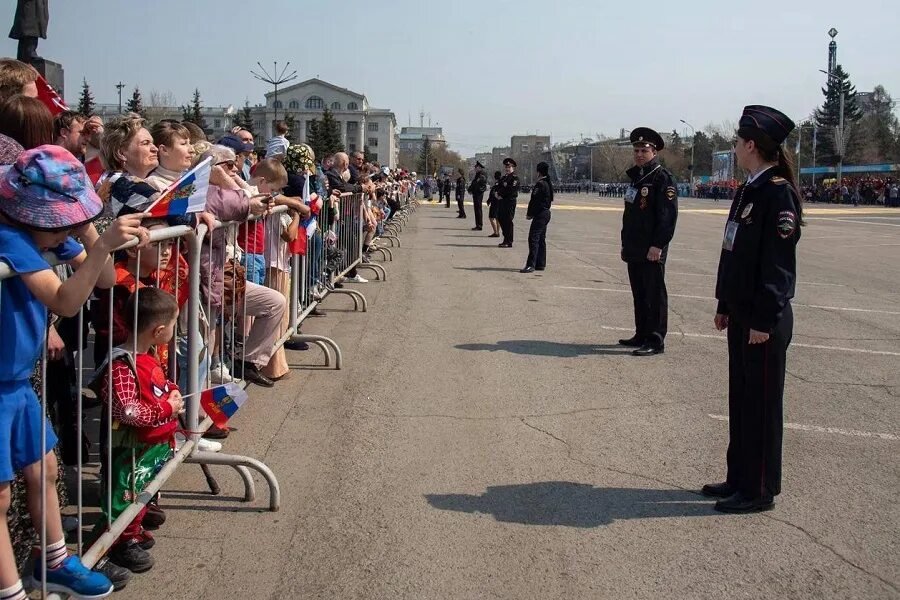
[
  {"x": 373, "y": 142},
  {"x": 351, "y": 148},
  {"x": 314, "y": 102},
  {"x": 524, "y": 148},
  {"x": 217, "y": 123},
  {"x": 294, "y": 104},
  {"x": 352, "y": 127},
  {"x": 353, "y": 106},
  {"x": 277, "y": 104},
  {"x": 373, "y": 126},
  {"x": 335, "y": 106}
]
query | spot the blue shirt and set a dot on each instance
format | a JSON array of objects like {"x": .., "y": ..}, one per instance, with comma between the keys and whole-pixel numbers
[{"x": 23, "y": 319}]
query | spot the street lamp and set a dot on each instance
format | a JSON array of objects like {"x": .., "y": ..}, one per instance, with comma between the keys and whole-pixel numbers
[
  {"x": 839, "y": 133},
  {"x": 693, "y": 139},
  {"x": 275, "y": 79}
]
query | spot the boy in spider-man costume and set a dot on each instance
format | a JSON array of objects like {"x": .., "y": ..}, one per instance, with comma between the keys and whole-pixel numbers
[{"x": 145, "y": 406}]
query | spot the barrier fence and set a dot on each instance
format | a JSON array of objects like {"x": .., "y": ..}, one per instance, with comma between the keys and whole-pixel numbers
[{"x": 215, "y": 325}]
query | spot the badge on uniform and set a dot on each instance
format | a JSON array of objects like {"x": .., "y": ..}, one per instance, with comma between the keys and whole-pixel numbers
[
  {"x": 671, "y": 192},
  {"x": 645, "y": 191},
  {"x": 787, "y": 223},
  {"x": 630, "y": 195},
  {"x": 731, "y": 229},
  {"x": 747, "y": 210}
]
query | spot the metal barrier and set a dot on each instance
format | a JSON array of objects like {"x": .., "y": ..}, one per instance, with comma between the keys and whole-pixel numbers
[{"x": 332, "y": 253}]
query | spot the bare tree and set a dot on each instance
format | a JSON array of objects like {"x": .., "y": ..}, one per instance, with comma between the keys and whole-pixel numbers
[{"x": 158, "y": 99}]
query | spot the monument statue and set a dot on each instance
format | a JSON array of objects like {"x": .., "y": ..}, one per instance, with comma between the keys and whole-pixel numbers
[{"x": 29, "y": 24}]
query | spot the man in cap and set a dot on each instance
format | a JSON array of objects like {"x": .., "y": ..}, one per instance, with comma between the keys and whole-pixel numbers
[
  {"x": 241, "y": 149},
  {"x": 477, "y": 188},
  {"x": 507, "y": 193},
  {"x": 648, "y": 224}
]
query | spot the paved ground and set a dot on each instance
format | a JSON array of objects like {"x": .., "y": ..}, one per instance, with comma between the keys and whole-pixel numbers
[{"x": 488, "y": 439}]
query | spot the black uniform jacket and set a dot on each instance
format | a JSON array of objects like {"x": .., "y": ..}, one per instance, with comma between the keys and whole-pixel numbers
[
  {"x": 508, "y": 190},
  {"x": 460, "y": 188},
  {"x": 541, "y": 197},
  {"x": 756, "y": 277},
  {"x": 478, "y": 184},
  {"x": 494, "y": 195},
  {"x": 651, "y": 209}
]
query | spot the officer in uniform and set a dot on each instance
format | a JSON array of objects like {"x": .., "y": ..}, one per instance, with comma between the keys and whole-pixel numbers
[
  {"x": 539, "y": 215},
  {"x": 648, "y": 224},
  {"x": 508, "y": 193},
  {"x": 477, "y": 188},
  {"x": 494, "y": 205},
  {"x": 755, "y": 284},
  {"x": 460, "y": 188}
]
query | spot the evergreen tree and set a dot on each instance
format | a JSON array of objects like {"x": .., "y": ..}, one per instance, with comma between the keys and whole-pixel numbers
[
  {"x": 324, "y": 136},
  {"x": 291, "y": 123},
  {"x": 194, "y": 113},
  {"x": 135, "y": 104},
  {"x": 86, "y": 102},
  {"x": 368, "y": 154},
  {"x": 829, "y": 115},
  {"x": 426, "y": 159},
  {"x": 244, "y": 118}
]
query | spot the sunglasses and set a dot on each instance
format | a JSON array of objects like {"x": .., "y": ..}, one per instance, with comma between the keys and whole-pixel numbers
[{"x": 228, "y": 163}]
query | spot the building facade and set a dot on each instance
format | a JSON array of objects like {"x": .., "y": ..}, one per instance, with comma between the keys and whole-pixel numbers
[{"x": 412, "y": 139}]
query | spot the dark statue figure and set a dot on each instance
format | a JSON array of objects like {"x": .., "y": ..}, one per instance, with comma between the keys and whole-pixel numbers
[{"x": 29, "y": 24}]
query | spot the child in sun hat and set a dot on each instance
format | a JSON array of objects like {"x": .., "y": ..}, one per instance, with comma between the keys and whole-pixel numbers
[{"x": 45, "y": 196}]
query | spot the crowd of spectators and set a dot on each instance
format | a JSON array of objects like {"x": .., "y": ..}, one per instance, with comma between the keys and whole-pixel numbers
[{"x": 865, "y": 189}]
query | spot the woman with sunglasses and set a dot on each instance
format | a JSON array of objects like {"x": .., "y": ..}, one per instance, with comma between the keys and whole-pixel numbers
[{"x": 757, "y": 273}]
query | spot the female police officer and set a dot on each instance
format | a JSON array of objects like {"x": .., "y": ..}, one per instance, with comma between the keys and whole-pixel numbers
[{"x": 757, "y": 271}]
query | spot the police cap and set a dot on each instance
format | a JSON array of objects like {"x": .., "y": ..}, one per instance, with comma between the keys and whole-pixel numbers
[
  {"x": 642, "y": 137},
  {"x": 771, "y": 122},
  {"x": 508, "y": 161}
]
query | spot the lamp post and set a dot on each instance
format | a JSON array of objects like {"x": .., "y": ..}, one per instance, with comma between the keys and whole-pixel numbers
[
  {"x": 275, "y": 79},
  {"x": 693, "y": 139},
  {"x": 119, "y": 86}
]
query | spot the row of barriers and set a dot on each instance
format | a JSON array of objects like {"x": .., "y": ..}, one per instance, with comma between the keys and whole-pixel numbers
[{"x": 211, "y": 330}]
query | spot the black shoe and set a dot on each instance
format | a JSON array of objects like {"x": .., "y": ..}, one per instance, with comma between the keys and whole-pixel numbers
[
  {"x": 299, "y": 346},
  {"x": 634, "y": 341},
  {"x": 216, "y": 433},
  {"x": 740, "y": 504},
  {"x": 494, "y": 235},
  {"x": 717, "y": 490},
  {"x": 476, "y": 229},
  {"x": 250, "y": 372},
  {"x": 460, "y": 216},
  {"x": 118, "y": 576},
  {"x": 317, "y": 312},
  {"x": 527, "y": 270},
  {"x": 131, "y": 556},
  {"x": 504, "y": 245},
  {"x": 154, "y": 517},
  {"x": 649, "y": 350}
]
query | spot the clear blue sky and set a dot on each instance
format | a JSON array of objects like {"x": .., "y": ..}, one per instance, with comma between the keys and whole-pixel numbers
[{"x": 486, "y": 69}]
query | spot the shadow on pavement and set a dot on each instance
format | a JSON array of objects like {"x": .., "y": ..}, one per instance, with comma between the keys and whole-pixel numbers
[
  {"x": 573, "y": 504},
  {"x": 545, "y": 348}
]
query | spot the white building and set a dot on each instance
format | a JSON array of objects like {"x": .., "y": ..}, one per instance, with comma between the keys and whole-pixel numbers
[{"x": 362, "y": 126}]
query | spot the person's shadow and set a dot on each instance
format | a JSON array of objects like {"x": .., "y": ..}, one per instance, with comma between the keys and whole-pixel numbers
[
  {"x": 572, "y": 504},
  {"x": 546, "y": 348}
]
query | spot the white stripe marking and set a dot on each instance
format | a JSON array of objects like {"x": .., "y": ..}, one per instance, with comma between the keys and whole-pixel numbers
[
  {"x": 819, "y": 429},
  {"x": 844, "y": 308},
  {"x": 712, "y": 276},
  {"x": 722, "y": 338},
  {"x": 851, "y": 221}
]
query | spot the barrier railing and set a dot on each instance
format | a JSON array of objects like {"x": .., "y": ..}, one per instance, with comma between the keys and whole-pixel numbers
[{"x": 209, "y": 329}]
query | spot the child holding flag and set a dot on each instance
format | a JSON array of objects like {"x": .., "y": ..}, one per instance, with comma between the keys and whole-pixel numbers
[{"x": 145, "y": 406}]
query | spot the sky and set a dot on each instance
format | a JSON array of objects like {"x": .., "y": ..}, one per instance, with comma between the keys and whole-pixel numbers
[{"x": 485, "y": 70}]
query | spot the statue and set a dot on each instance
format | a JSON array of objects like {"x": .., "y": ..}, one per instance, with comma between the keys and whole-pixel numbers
[{"x": 29, "y": 24}]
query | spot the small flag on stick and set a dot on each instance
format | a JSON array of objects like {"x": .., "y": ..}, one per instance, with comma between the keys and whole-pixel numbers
[
  {"x": 187, "y": 195},
  {"x": 221, "y": 402},
  {"x": 49, "y": 96}
]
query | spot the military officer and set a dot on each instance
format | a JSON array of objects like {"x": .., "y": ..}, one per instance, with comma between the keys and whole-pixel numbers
[
  {"x": 477, "y": 188},
  {"x": 507, "y": 193},
  {"x": 648, "y": 224},
  {"x": 755, "y": 284},
  {"x": 539, "y": 215}
]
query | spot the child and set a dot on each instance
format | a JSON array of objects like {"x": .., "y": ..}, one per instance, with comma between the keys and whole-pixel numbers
[
  {"x": 44, "y": 197},
  {"x": 145, "y": 406}
]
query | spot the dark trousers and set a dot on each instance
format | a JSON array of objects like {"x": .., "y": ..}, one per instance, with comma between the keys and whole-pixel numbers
[
  {"x": 651, "y": 301},
  {"x": 447, "y": 196},
  {"x": 460, "y": 203},
  {"x": 506, "y": 215},
  {"x": 479, "y": 216},
  {"x": 537, "y": 241},
  {"x": 755, "y": 404}
]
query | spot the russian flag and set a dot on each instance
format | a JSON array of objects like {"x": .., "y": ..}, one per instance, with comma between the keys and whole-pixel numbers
[
  {"x": 187, "y": 195},
  {"x": 221, "y": 402},
  {"x": 50, "y": 97}
]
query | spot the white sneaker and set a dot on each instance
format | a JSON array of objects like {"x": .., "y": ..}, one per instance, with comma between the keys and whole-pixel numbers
[
  {"x": 220, "y": 374},
  {"x": 204, "y": 444},
  {"x": 358, "y": 279}
]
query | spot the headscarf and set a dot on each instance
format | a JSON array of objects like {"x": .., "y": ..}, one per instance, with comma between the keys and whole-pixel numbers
[{"x": 299, "y": 159}]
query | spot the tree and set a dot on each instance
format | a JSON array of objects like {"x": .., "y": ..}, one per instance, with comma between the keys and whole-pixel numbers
[
  {"x": 874, "y": 140},
  {"x": 194, "y": 113},
  {"x": 324, "y": 136},
  {"x": 86, "y": 103},
  {"x": 291, "y": 123},
  {"x": 369, "y": 155},
  {"x": 244, "y": 118},
  {"x": 159, "y": 105},
  {"x": 828, "y": 116},
  {"x": 135, "y": 104}
]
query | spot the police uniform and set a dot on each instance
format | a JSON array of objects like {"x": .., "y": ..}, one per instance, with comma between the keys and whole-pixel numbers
[
  {"x": 507, "y": 194},
  {"x": 755, "y": 283},
  {"x": 477, "y": 188},
  {"x": 461, "y": 196},
  {"x": 539, "y": 213},
  {"x": 651, "y": 209}
]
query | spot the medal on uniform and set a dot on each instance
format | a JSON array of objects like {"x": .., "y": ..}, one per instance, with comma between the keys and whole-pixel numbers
[
  {"x": 747, "y": 210},
  {"x": 645, "y": 191},
  {"x": 731, "y": 229},
  {"x": 630, "y": 195}
]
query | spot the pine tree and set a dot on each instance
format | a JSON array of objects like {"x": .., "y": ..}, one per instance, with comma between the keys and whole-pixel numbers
[
  {"x": 829, "y": 115},
  {"x": 324, "y": 136},
  {"x": 86, "y": 102},
  {"x": 369, "y": 155},
  {"x": 135, "y": 104},
  {"x": 244, "y": 118},
  {"x": 291, "y": 123},
  {"x": 194, "y": 113}
]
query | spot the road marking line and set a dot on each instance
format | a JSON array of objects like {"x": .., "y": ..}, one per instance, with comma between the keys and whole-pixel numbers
[
  {"x": 819, "y": 429},
  {"x": 722, "y": 338},
  {"x": 857, "y": 222},
  {"x": 817, "y": 306},
  {"x": 713, "y": 276}
]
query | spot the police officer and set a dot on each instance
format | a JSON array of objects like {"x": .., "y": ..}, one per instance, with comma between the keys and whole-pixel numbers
[
  {"x": 446, "y": 186},
  {"x": 648, "y": 224},
  {"x": 539, "y": 215},
  {"x": 494, "y": 205},
  {"x": 508, "y": 193},
  {"x": 460, "y": 189},
  {"x": 757, "y": 273},
  {"x": 477, "y": 188}
]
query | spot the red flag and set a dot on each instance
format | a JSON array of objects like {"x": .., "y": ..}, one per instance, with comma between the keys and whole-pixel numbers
[
  {"x": 49, "y": 97},
  {"x": 94, "y": 168}
]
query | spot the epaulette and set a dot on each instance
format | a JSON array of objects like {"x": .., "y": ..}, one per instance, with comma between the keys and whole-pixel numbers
[{"x": 778, "y": 180}]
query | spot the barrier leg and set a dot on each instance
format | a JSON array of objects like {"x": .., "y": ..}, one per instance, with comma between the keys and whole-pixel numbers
[
  {"x": 325, "y": 343},
  {"x": 380, "y": 273},
  {"x": 247, "y": 478},
  {"x": 392, "y": 239},
  {"x": 357, "y": 298},
  {"x": 211, "y": 481},
  {"x": 231, "y": 460}
]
